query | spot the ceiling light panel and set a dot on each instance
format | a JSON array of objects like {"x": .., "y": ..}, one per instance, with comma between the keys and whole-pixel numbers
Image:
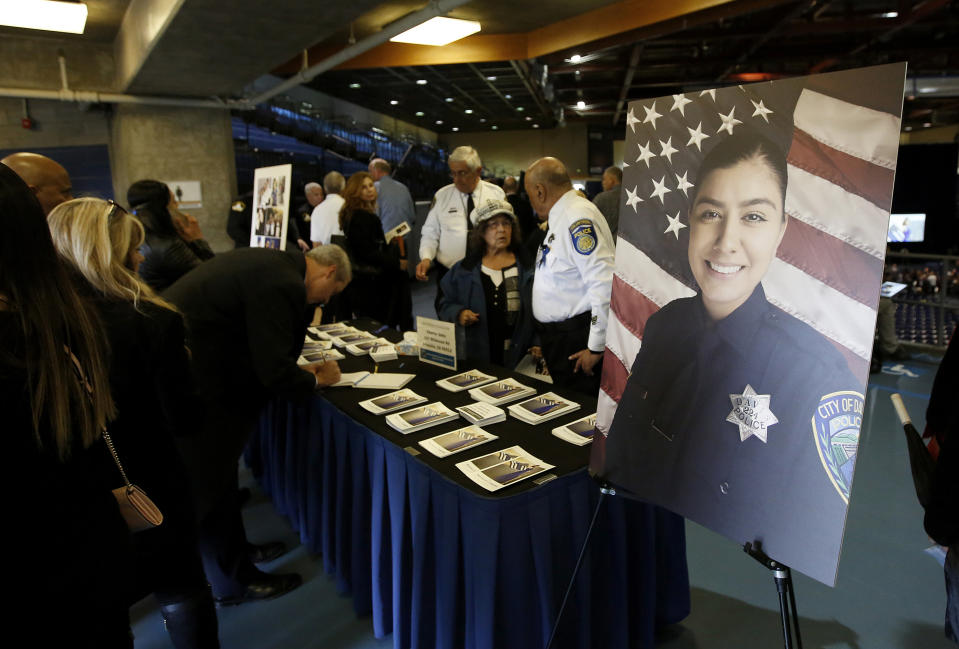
[
  {"x": 70, "y": 17},
  {"x": 438, "y": 31}
]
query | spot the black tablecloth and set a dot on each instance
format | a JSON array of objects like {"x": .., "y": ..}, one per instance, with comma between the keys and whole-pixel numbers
[{"x": 441, "y": 562}]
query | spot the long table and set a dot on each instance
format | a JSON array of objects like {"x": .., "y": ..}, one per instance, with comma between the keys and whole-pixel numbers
[{"x": 440, "y": 562}]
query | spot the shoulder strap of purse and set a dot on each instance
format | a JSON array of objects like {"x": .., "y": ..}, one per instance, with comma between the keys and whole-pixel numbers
[{"x": 88, "y": 388}]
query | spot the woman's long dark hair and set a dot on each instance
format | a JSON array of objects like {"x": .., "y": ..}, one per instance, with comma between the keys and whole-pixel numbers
[
  {"x": 149, "y": 200},
  {"x": 36, "y": 286},
  {"x": 351, "y": 197}
]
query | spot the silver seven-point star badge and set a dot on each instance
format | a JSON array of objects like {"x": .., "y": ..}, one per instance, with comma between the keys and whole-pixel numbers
[{"x": 751, "y": 413}]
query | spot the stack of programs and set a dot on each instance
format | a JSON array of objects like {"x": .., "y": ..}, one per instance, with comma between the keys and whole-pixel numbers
[
  {"x": 502, "y": 392},
  {"x": 482, "y": 414},
  {"x": 465, "y": 381},
  {"x": 352, "y": 338},
  {"x": 367, "y": 346},
  {"x": 579, "y": 432},
  {"x": 410, "y": 421},
  {"x": 317, "y": 355},
  {"x": 391, "y": 402},
  {"x": 329, "y": 331},
  {"x": 542, "y": 408}
]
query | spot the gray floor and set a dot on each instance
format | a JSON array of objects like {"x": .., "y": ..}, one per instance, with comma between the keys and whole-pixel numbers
[{"x": 889, "y": 593}]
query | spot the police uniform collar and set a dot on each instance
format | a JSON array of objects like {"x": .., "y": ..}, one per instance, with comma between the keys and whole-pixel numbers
[
  {"x": 740, "y": 327},
  {"x": 563, "y": 200}
]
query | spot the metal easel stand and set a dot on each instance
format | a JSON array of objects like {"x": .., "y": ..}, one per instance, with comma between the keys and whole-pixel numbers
[
  {"x": 784, "y": 586},
  {"x": 605, "y": 489}
]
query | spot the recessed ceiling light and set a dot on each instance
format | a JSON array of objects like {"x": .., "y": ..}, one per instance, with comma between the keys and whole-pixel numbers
[
  {"x": 520, "y": 108},
  {"x": 508, "y": 96},
  {"x": 439, "y": 121},
  {"x": 491, "y": 78},
  {"x": 581, "y": 104},
  {"x": 482, "y": 120},
  {"x": 494, "y": 127},
  {"x": 419, "y": 113},
  {"x": 468, "y": 111},
  {"x": 535, "y": 125},
  {"x": 908, "y": 128},
  {"x": 529, "y": 119},
  {"x": 47, "y": 15},
  {"x": 576, "y": 58},
  {"x": 926, "y": 124},
  {"x": 456, "y": 128},
  {"x": 449, "y": 100},
  {"x": 891, "y": 14},
  {"x": 354, "y": 86},
  {"x": 437, "y": 31},
  {"x": 421, "y": 82},
  {"x": 393, "y": 102}
]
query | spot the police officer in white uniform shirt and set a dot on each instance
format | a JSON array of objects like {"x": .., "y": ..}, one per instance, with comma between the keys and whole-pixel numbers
[
  {"x": 574, "y": 278},
  {"x": 443, "y": 238}
]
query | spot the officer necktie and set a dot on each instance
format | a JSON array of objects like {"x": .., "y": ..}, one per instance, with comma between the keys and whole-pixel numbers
[{"x": 469, "y": 210}]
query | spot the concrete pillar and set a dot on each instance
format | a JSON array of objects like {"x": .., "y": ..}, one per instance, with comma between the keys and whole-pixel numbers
[{"x": 164, "y": 143}]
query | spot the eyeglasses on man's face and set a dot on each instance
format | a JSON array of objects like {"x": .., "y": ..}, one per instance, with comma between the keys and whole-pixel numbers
[{"x": 461, "y": 173}]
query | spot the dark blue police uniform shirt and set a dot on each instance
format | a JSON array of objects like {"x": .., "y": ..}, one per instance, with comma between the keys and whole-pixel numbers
[{"x": 670, "y": 442}]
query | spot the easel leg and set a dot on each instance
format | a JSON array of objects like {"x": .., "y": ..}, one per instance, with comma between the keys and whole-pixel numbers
[
  {"x": 784, "y": 588},
  {"x": 604, "y": 490}
]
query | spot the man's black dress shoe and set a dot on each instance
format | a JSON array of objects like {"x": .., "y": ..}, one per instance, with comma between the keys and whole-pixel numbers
[
  {"x": 265, "y": 586},
  {"x": 266, "y": 552}
]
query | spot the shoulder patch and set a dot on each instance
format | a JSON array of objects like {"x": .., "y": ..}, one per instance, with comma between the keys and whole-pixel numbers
[
  {"x": 835, "y": 426},
  {"x": 583, "y": 235}
]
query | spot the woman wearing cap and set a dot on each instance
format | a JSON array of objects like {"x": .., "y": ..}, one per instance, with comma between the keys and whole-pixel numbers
[{"x": 489, "y": 292}]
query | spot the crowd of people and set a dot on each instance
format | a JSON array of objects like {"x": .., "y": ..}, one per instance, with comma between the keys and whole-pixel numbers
[{"x": 123, "y": 319}]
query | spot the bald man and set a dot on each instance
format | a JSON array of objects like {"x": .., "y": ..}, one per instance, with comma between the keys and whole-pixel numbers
[
  {"x": 573, "y": 280},
  {"x": 46, "y": 178}
]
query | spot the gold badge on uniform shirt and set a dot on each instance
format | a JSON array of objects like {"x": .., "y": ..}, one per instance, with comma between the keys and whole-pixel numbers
[{"x": 751, "y": 413}]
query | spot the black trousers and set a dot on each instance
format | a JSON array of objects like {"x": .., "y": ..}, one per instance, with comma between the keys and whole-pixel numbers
[
  {"x": 559, "y": 341},
  {"x": 211, "y": 460}
]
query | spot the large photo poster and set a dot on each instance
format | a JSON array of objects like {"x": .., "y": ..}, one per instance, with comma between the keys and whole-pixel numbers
[
  {"x": 748, "y": 267},
  {"x": 271, "y": 205}
]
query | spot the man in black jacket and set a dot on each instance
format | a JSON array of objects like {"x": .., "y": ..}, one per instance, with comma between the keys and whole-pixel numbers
[{"x": 246, "y": 313}]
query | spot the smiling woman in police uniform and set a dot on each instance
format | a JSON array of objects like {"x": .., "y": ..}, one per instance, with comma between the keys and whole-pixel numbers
[{"x": 736, "y": 414}]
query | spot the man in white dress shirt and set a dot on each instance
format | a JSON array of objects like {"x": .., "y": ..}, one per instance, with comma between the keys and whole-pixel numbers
[
  {"x": 574, "y": 278},
  {"x": 443, "y": 238},
  {"x": 325, "y": 220}
]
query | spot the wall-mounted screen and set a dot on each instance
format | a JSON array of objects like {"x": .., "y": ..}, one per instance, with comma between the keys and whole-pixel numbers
[{"x": 904, "y": 228}]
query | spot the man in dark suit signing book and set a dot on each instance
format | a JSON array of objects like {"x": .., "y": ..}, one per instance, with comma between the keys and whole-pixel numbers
[{"x": 246, "y": 312}]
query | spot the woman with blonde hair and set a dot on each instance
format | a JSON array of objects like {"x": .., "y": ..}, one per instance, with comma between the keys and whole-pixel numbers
[
  {"x": 73, "y": 590},
  {"x": 152, "y": 386}
]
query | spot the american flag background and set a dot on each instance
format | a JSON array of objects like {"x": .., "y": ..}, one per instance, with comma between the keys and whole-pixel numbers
[{"x": 841, "y": 131}]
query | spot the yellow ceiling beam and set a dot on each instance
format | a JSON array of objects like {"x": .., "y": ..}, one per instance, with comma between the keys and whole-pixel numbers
[{"x": 608, "y": 21}]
